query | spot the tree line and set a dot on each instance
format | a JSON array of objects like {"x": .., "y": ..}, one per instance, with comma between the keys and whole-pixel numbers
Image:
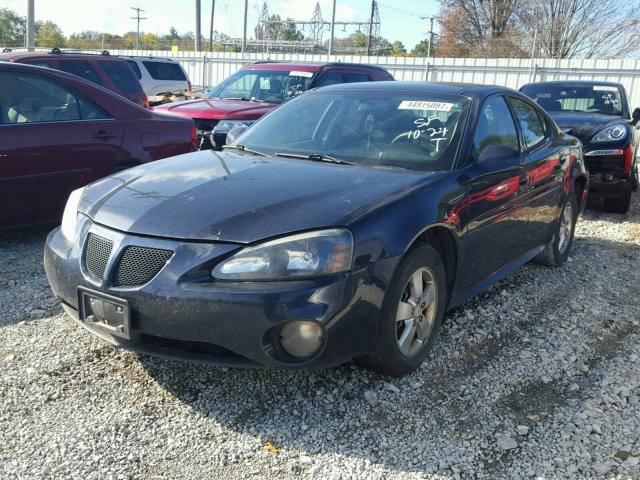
[
  {"x": 546, "y": 28},
  {"x": 468, "y": 28}
]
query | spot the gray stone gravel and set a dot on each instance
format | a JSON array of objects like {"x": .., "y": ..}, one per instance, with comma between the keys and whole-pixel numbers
[{"x": 537, "y": 378}]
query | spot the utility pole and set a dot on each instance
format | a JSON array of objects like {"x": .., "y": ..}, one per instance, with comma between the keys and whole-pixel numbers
[
  {"x": 137, "y": 18},
  {"x": 430, "y": 44},
  {"x": 198, "y": 42},
  {"x": 213, "y": 10},
  {"x": 333, "y": 24},
  {"x": 244, "y": 32},
  {"x": 370, "y": 39},
  {"x": 31, "y": 25}
]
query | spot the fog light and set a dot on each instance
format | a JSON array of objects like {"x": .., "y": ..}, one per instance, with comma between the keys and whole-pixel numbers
[{"x": 301, "y": 338}]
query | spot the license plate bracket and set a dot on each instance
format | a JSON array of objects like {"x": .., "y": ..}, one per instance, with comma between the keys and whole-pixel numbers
[{"x": 105, "y": 312}]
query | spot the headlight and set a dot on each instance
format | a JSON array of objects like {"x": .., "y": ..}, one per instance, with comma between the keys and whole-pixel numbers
[
  {"x": 610, "y": 134},
  {"x": 311, "y": 254},
  {"x": 70, "y": 215},
  {"x": 226, "y": 125}
]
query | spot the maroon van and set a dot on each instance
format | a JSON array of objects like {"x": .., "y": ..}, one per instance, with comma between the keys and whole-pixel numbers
[
  {"x": 59, "y": 132},
  {"x": 102, "y": 69}
]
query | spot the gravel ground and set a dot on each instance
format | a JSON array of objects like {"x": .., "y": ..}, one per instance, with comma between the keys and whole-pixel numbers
[{"x": 537, "y": 378}]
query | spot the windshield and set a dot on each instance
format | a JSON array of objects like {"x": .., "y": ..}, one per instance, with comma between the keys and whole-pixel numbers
[
  {"x": 594, "y": 98},
  {"x": 273, "y": 86},
  {"x": 418, "y": 131}
]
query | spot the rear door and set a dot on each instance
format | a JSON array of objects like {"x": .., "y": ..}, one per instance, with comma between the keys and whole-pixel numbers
[
  {"x": 52, "y": 140},
  {"x": 543, "y": 167},
  {"x": 495, "y": 180}
]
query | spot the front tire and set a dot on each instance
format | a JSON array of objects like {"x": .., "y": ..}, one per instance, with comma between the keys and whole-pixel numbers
[
  {"x": 557, "y": 250},
  {"x": 412, "y": 313}
]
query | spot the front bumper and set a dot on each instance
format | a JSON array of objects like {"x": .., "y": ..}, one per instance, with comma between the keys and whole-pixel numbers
[
  {"x": 608, "y": 175},
  {"x": 182, "y": 313}
]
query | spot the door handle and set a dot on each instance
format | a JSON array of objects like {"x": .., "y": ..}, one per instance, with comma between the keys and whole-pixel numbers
[{"x": 103, "y": 135}]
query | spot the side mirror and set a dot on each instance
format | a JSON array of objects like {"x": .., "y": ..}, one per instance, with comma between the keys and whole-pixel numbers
[
  {"x": 498, "y": 156},
  {"x": 635, "y": 116},
  {"x": 234, "y": 133}
]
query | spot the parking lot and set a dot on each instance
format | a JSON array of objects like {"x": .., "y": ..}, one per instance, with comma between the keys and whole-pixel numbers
[{"x": 537, "y": 377}]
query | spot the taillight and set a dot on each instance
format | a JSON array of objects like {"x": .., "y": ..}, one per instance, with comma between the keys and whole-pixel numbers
[
  {"x": 628, "y": 159},
  {"x": 146, "y": 102},
  {"x": 194, "y": 136},
  {"x": 189, "y": 86}
]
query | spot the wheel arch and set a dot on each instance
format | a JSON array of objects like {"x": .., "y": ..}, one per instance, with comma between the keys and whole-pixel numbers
[{"x": 445, "y": 240}]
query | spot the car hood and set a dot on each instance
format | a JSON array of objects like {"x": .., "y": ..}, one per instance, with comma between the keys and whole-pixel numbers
[
  {"x": 217, "y": 109},
  {"x": 241, "y": 198},
  {"x": 584, "y": 125}
]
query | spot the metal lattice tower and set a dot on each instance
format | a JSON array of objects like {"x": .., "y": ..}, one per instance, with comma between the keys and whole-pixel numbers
[
  {"x": 263, "y": 18},
  {"x": 375, "y": 25},
  {"x": 317, "y": 25}
]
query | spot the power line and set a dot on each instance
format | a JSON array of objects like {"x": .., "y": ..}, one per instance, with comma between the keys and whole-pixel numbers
[{"x": 138, "y": 18}]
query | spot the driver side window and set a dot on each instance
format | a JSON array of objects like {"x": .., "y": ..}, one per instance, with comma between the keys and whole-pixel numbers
[{"x": 495, "y": 126}]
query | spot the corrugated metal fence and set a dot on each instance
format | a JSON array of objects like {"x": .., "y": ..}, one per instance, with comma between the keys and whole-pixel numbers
[{"x": 208, "y": 69}]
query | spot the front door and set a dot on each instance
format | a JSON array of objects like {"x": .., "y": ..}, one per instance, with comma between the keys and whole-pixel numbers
[{"x": 496, "y": 182}]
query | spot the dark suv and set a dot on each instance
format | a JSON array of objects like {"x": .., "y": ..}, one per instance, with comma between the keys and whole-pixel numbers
[
  {"x": 260, "y": 87},
  {"x": 598, "y": 114},
  {"x": 112, "y": 73}
]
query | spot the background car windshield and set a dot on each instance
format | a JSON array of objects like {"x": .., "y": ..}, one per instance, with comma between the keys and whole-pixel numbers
[
  {"x": 577, "y": 98},
  {"x": 403, "y": 129},
  {"x": 269, "y": 86}
]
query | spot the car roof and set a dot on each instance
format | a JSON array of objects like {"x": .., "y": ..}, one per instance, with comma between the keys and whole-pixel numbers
[
  {"x": 467, "y": 89},
  {"x": 306, "y": 66},
  {"x": 17, "y": 56},
  {"x": 145, "y": 59},
  {"x": 574, "y": 82}
]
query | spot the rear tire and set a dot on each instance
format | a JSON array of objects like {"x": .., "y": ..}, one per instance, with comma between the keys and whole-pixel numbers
[
  {"x": 636, "y": 177},
  {"x": 623, "y": 203},
  {"x": 557, "y": 250},
  {"x": 411, "y": 316}
]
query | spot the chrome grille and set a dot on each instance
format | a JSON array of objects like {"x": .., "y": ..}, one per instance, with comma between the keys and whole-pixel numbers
[
  {"x": 96, "y": 254},
  {"x": 138, "y": 265}
]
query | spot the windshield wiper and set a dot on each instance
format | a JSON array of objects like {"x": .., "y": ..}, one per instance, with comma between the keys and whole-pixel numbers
[
  {"x": 316, "y": 157},
  {"x": 242, "y": 148}
]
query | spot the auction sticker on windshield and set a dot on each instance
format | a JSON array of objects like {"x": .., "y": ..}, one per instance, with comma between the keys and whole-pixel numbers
[
  {"x": 605, "y": 88},
  {"x": 425, "y": 105},
  {"x": 299, "y": 73}
]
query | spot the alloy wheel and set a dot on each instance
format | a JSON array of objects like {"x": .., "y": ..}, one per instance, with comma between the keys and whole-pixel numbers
[
  {"x": 416, "y": 312},
  {"x": 566, "y": 227}
]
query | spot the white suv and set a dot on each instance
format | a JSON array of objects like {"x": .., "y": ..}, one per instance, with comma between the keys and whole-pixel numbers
[{"x": 159, "y": 75}]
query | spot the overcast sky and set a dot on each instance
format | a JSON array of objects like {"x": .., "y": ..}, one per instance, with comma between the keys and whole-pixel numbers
[{"x": 400, "y": 20}]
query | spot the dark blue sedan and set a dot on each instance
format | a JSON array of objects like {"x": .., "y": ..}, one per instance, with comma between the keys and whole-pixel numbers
[{"x": 340, "y": 226}]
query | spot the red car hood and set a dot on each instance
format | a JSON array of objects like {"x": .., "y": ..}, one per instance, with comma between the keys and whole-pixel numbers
[{"x": 217, "y": 109}]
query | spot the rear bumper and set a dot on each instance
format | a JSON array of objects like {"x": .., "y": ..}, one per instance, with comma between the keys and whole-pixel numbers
[{"x": 181, "y": 314}]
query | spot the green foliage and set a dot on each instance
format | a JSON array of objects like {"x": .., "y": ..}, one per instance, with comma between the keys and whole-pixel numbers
[
  {"x": 422, "y": 49},
  {"x": 48, "y": 34},
  {"x": 12, "y": 28}
]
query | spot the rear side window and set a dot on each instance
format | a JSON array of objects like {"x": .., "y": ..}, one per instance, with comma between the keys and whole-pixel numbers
[
  {"x": 330, "y": 78},
  {"x": 39, "y": 63},
  {"x": 355, "y": 77},
  {"x": 165, "y": 71},
  {"x": 35, "y": 99},
  {"x": 495, "y": 127},
  {"x": 121, "y": 75},
  {"x": 82, "y": 69},
  {"x": 135, "y": 67},
  {"x": 531, "y": 124}
]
